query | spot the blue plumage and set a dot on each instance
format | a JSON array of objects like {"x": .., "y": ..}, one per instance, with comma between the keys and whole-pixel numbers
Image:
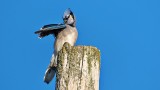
[
  {"x": 54, "y": 26},
  {"x": 50, "y": 29}
]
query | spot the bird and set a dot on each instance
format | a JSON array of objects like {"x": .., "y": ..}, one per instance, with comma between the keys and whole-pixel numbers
[{"x": 63, "y": 32}]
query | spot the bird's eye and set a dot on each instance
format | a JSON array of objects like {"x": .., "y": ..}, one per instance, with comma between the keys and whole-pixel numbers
[{"x": 67, "y": 16}]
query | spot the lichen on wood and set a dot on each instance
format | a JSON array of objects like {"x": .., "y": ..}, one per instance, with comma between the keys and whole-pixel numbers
[{"x": 78, "y": 68}]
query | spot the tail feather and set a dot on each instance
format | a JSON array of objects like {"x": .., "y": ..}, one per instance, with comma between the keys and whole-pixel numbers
[
  {"x": 50, "y": 73},
  {"x": 51, "y": 70}
]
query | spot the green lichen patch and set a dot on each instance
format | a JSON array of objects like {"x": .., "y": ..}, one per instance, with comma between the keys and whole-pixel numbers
[{"x": 73, "y": 69}]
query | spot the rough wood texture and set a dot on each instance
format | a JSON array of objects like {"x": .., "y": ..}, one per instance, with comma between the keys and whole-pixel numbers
[{"x": 78, "y": 68}]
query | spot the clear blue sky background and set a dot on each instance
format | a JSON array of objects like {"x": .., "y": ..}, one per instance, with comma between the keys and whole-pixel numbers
[{"x": 126, "y": 31}]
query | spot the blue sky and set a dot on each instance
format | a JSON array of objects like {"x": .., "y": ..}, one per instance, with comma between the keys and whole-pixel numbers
[{"x": 127, "y": 32}]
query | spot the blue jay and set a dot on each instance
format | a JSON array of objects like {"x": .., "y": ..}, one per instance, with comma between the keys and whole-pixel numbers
[{"x": 65, "y": 32}]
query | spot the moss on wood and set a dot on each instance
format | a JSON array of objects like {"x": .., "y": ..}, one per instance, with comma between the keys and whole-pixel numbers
[{"x": 78, "y": 68}]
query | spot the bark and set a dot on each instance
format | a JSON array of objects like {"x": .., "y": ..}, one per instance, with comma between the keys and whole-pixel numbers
[{"x": 78, "y": 68}]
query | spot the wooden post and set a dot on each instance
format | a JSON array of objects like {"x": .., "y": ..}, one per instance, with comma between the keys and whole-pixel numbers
[{"x": 78, "y": 68}]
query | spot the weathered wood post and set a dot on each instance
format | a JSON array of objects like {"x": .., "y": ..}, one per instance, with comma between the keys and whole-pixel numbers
[{"x": 78, "y": 68}]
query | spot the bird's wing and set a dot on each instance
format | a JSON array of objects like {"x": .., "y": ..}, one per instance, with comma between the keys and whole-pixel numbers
[{"x": 50, "y": 29}]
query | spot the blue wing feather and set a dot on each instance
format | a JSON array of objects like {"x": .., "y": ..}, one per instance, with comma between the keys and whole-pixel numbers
[
  {"x": 50, "y": 29},
  {"x": 54, "y": 26}
]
